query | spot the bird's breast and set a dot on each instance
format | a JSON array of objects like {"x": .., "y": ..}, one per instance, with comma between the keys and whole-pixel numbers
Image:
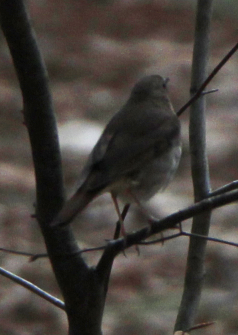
[{"x": 151, "y": 178}]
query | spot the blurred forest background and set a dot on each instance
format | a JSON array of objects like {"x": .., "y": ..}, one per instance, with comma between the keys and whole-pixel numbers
[{"x": 95, "y": 51}]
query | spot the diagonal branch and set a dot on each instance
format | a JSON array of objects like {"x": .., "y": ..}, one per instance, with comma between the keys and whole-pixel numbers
[
  {"x": 33, "y": 288},
  {"x": 199, "y": 92},
  {"x": 115, "y": 247}
]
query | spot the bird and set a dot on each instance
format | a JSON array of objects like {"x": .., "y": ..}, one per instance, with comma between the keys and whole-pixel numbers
[{"x": 137, "y": 154}]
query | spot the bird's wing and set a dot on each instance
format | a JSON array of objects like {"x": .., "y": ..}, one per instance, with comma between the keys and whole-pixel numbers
[{"x": 121, "y": 152}]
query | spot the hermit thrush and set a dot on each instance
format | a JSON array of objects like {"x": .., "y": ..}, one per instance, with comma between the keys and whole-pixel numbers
[{"x": 136, "y": 155}]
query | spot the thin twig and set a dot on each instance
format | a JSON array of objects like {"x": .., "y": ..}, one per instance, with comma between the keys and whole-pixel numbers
[
  {"x": 213, "y": 239},
  {"x": 209, "y": 78},
  {"x": 200, "y": 325},
  {"x": 183, "y": 233},
  {"x": 214, "y": 90},
  {"x": 33, "y": 288},
  {"x": 226, "y": 188},
  {"x": 19, "y": 253},
  {"x": 160, "y": 240}
]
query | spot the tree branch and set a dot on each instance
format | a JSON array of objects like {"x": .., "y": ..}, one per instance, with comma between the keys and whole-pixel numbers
[
  {"x": 115, "y": 247},
  {"x": 82, "y": 291},
  {"x": 33, "y": 288},
  {"x": 199, "y": 92},
  {"x": 200, "y": 171}
]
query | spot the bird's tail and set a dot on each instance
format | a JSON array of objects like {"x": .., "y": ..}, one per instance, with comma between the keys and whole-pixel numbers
[{"x": 72, "y": 207}]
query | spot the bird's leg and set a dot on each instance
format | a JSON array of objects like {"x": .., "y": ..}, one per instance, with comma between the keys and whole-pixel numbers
[
  {"x": 121, "y": 220},
  {"x": 114, "y": 199}
]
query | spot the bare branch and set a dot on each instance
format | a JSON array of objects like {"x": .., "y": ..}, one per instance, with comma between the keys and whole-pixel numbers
[
  {"x": 19, "y": 253},
  {"x": 207, "y": 238},
  {"x": 33, "y": 288},
  {"x": 214, "y": 90},
  {"x": 200, "y": 171},
  {"x": 79, "y": 285},
  {"x": 115, "y": 247},
  {"x": 208, "y": 80},
  {"x": 183, "y": 233},
  {"x": 229, "y": 187}
]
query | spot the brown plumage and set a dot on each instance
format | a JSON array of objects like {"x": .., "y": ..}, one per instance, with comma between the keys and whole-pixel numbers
[{"x": 136, "y": 155}]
